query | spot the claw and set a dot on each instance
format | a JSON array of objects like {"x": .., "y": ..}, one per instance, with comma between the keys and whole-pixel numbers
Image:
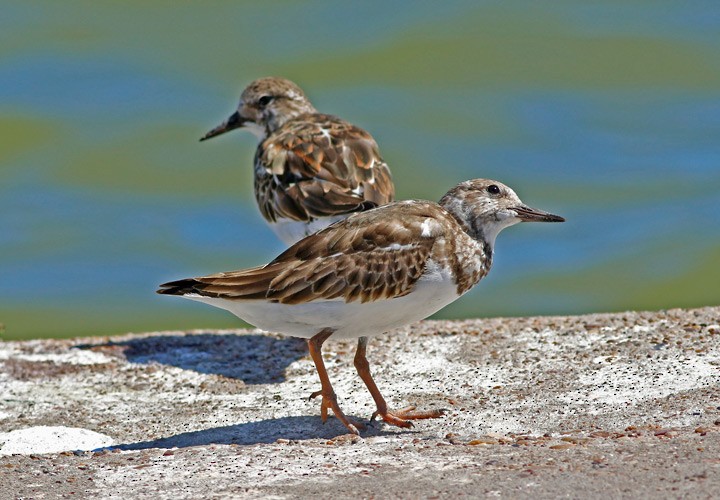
[
  {"x": 329, "y": 402},
  {"x": 402, "y": 418},
  {"x": 323, "y": 412}
]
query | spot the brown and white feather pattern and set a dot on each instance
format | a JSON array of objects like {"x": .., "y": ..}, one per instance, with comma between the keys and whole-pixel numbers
[
  {"x": 316, "y": 166},
  {"x": 367, "y": 257}
]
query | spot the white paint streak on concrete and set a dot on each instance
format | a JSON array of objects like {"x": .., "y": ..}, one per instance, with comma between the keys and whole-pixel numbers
[{"x": 50, "y": 439}]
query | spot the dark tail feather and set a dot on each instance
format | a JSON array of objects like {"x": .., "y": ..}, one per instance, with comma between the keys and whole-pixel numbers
[{"x": 179, "y": 287}]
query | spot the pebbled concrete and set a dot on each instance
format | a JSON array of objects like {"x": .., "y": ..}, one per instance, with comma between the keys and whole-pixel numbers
[{"x": 611, "y": 405}]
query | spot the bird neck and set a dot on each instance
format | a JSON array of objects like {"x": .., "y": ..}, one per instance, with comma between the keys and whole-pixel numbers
[
  {"x": 471, "y": 257},
  {"x": 479, "y": 229},
  {"x": 278, "y": 118}
]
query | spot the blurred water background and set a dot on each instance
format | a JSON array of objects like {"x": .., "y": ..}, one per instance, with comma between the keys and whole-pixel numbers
[{"x": 605, "y": 112}]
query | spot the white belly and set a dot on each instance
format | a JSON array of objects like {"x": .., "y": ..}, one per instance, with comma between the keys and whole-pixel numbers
[{"x": 348, "y": 320}]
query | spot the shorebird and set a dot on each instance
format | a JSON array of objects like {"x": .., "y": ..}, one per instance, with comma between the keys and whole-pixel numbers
[
  {"x": 370, "y": 273},
  {"x": 311, "y": 169}
]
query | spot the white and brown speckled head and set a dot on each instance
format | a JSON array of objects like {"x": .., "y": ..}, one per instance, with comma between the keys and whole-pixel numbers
[
  {"x": 485, "y": 207},
  {"x": 265, "y": 105}
]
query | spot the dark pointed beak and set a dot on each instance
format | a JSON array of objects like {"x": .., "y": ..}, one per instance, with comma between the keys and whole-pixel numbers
[
  {"x": 527, "y": 214},
  {"x": 231, "y": 123}
]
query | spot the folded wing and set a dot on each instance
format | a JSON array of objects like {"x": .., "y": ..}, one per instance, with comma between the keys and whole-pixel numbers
[
  {"x": 373, "y": 255},
  {"x": 320, "y": 168}
]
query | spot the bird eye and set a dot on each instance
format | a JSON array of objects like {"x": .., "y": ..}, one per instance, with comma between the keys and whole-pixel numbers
[
  {"x": 265, "y": 100},
  {"x": 493, "y": 189}
]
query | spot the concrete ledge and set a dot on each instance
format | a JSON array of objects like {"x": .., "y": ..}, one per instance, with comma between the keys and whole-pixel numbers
[{"x": 610, "y": 405}]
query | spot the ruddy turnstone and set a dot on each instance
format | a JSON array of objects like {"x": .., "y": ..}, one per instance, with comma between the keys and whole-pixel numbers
[
  {"x": 369, "y": 273},
  {"x": 311, "y": 169}
]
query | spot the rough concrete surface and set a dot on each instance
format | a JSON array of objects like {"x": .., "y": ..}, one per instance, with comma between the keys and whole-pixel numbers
[{"x": 603, "y": 405}]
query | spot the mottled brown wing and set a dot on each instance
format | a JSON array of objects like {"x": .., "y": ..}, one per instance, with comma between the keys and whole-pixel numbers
[
  {"x": 320, "y": 166},
  {"x": 372, "y": 255},
  {"x": 365, "y": 276}
]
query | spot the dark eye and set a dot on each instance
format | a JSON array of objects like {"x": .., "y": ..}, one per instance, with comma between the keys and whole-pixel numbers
[
  {"x": 265, "y": 100},
  {"x": 493, "y": 189}
]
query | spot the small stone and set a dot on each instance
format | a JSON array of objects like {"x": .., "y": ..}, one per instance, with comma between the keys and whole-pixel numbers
[
  {"x": 476, "y": 442},
  {"x": 344, "y": 439},
  {"x": 575, "y": 440},
  {"x": 600, "y": 434}
]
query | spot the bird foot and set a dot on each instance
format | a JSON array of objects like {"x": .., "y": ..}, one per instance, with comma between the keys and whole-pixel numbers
[
  {"x": 402, "y": 418},
  {"x": 329, "y": 401}
]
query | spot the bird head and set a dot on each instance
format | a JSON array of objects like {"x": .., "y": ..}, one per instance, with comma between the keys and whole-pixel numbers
[
  {"x": 486, "y": 207},
  {"x": 265, "y": 105}
]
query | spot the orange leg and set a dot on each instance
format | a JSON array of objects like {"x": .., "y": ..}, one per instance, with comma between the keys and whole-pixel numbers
[
  {"x": 400, "y": 418},
  {"x": 329, "y": 400}
]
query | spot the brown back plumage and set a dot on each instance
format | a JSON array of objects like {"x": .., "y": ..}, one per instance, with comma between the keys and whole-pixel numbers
[{"x": 319, "y": 166}]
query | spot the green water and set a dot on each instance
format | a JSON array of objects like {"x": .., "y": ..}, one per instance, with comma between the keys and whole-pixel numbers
[{"x": 605, "y": 112}]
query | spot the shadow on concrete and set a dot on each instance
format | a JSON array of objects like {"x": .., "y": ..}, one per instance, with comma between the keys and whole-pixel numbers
[
  {"x": 262, "y": 431},
  {"x": 254, "y": 359}
]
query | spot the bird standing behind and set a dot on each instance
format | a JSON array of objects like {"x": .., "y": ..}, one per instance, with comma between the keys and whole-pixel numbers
[
  {"x": 370, "y": 273},
  {"x": 311, "y": 169}
]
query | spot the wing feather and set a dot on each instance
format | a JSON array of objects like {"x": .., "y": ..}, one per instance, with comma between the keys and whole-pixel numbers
[
  {"x": 373, "y": 255},
  {"x": 319, "y": 166}
]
